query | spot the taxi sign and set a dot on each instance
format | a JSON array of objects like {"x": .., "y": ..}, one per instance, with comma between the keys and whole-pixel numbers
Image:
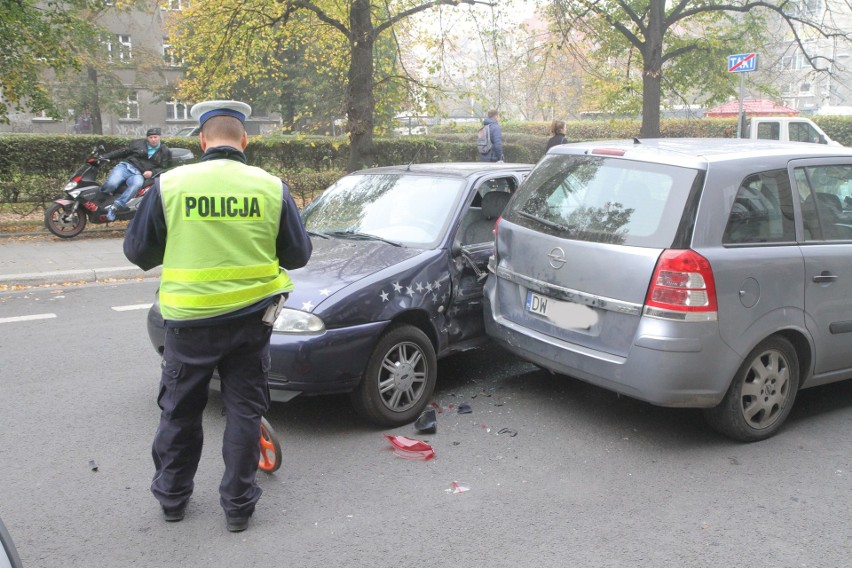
[{"x": 742, "y": 62}]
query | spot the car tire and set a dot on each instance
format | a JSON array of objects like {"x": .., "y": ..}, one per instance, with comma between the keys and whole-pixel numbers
[
  {"x": 399, "y": 379},
  {"x": 761, "y": 395}
]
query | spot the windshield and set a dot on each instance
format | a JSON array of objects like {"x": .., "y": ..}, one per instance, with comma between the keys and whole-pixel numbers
[{"x": 406, "y": 208}]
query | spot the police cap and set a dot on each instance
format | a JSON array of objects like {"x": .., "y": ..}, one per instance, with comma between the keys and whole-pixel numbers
[{"x": 208, "y": 109}]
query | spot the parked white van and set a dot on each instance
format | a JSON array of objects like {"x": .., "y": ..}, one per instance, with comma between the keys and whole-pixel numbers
[{"x": 786, "y": 129}]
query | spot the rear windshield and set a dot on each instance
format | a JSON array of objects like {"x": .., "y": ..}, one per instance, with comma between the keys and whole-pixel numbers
[{"x": 604, "y": 199}]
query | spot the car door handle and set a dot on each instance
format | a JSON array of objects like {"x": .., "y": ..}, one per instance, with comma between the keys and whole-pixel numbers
[{"x": 825, "y": 276}]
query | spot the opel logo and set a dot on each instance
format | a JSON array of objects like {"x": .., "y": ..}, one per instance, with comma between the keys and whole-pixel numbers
[{"x": 557, "y": 258}]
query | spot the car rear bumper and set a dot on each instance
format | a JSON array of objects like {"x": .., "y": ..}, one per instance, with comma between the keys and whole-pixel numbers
[{"x": 692, "y": 372}]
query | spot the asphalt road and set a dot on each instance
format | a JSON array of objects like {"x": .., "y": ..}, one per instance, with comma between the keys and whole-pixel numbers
[{"x": 589, "y": 479}]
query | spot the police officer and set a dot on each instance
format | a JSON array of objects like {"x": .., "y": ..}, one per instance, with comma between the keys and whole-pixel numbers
[{"x": 222, "y": 230}]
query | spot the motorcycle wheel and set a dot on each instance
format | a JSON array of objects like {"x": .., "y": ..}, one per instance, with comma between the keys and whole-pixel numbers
[
  {"x": 270, "y": 448},
  {"x": 63, "y": 224}
]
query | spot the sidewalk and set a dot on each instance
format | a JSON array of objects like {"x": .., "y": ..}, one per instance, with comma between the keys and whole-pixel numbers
[{"x": 52, "y": 261}]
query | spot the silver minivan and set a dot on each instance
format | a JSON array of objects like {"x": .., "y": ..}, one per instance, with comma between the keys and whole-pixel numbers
[{"x": 703, "y": 273}]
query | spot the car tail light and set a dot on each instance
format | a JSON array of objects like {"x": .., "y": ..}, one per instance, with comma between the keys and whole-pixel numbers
[
  {"x": 682, "y": 288},
  {"x": 608, "y": 151}
]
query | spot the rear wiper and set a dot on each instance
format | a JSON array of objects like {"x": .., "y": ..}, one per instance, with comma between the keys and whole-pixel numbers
[
  {"x": 318, "y": 234},
  {"x": 551, "y": 224},
  {"x": 363, "y": 236}
]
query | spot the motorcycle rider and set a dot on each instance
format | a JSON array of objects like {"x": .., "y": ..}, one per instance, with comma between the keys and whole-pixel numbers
[{"x": 143, "y": 160}]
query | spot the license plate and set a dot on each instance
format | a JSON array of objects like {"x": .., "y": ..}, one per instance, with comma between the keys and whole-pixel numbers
[{"x": 560, "y": 312}]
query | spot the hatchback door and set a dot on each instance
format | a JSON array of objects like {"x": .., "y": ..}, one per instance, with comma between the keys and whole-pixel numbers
[
  {"x": 578, "y": 245},
  {"x": 823, "y": 186}
]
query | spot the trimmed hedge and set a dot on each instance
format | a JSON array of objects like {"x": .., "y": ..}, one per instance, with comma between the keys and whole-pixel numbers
[
  {"x": 839, "y": 128},
  {"x": 35, "y": 167}
]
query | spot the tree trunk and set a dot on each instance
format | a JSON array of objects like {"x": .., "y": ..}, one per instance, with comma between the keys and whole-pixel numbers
[
  {"x": 92, "y": 103},
  {"x": 652, "y": 71},
  {"x": 288, "y": 115},
  {"x": 360, "y": 102}
]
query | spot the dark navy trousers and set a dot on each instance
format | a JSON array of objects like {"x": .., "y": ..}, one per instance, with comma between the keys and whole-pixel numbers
[{"x": 239, "y": 349}]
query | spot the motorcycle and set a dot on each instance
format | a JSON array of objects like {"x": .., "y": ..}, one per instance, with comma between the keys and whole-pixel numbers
[{"x": 85, "y": 202}]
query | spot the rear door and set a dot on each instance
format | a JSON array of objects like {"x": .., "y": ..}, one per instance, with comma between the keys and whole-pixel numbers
[{"x": 827, "y": 248}]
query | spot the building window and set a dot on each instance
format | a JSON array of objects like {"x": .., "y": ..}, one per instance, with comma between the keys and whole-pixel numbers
[
  {"x": 175, "y": 5},
  {"x": 119, "y": 48},
  {"x": 125, "y": 48},
  {"x": 794, "y": 62},
  {"x": 131, "y": 106},
  {"x": 169, "y": 57},
  {"x": 42, "y": 116},
  {"x": 805, "y": 88},
  {"x": 177, "y": 110},
  {"x": 806, "y": 7}
]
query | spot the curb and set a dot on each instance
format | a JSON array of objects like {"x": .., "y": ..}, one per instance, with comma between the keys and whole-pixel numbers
[{"x": 87, "y": 275}]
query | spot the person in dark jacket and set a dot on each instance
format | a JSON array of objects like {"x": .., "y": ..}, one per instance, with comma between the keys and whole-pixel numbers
[
  {"x": 226, "y": 233},
  {"x": 143, "y": 159},
  {"x": 557, "y": 132},
  {"x": 493, "y": 124}
]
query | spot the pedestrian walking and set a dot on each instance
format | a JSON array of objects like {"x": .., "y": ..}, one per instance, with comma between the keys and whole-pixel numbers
[
  {"x": 490, "y": 138},
  {"x": 557, "y": 134},
  {"x": 222, "y": 230}
]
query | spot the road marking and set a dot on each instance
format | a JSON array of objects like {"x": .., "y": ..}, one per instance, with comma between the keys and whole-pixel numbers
[
  {"x": 28, "y": 318},
  {"x": 131, "y": 307}
]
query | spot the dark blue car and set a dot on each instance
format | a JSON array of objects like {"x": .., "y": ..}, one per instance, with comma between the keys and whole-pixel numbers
[{"x": 394, "y": 283}]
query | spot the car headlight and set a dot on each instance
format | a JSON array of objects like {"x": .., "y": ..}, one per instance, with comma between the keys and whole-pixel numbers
[{"x": 297, "y": 321}]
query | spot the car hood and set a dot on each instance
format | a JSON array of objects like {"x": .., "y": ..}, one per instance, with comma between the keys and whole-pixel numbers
[{"x": 337, "y": 263}]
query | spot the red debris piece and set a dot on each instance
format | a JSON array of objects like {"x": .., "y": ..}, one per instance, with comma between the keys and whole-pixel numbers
[{"x": 410, "y": 449}]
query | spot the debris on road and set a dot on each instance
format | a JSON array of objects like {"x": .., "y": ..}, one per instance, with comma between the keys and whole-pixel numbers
[
  {"x": 427, "y": 423},
  {"x": 410, "y": 449}
]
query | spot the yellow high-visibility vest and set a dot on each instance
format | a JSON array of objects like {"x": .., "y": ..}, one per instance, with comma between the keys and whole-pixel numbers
[{"x": 222, "y": 220}]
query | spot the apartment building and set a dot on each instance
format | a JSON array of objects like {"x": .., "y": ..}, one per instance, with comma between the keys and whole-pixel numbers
[
  {"x": 802, "y": 87},
  {"x": 137, "y": 38}
]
